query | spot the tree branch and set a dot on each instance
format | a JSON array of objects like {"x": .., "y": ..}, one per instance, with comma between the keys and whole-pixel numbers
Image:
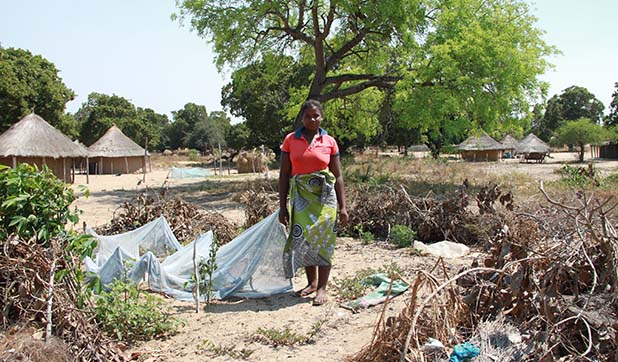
[
  {"x": 336, "y": 56},
  {"x": 340, "y": 93}
]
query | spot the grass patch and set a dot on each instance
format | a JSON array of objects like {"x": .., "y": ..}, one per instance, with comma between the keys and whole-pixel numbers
[
  {"x": 221, "y": 350},
  {"x": 286, "y": 337}
]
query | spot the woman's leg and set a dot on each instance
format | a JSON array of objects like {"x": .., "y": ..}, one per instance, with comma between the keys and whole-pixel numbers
[
  {"x": 312, "y": 281},
  {"x": 321, "y": 296}
]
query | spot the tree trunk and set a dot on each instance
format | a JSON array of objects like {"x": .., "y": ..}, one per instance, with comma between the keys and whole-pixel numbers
[{"x": 581, "y": 152}]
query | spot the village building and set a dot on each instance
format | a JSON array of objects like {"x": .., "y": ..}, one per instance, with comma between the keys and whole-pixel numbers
[
  {"x": 510, "y": 144},
  {"x": 34, "y": 141},
  {"x": 115, "y": 153},
  {"x": 532, "y": 148},
  {"x": 481, "y": 148}
]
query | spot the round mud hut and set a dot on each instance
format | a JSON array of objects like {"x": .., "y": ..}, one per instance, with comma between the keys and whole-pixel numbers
[
  {"x": 481, "y": 148},
  {"x": 532, "y": 148},
  {"x": 510, "y": 144},
  {"x": 32, "y": 140},
  {"x": 115, "y": 153}
]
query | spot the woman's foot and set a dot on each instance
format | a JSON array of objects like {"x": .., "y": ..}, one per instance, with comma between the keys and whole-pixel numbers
[
  {"x": 321, "y": 297},
  {"x": 308, "y": 290}
]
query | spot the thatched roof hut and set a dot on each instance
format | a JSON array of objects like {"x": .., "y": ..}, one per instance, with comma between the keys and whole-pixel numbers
[
  {"x": 114, "y": 152},
  {"x": 32, "y": 140},
  {"x": 533, "y": 148},
  {"x": 481, "y": 148}
]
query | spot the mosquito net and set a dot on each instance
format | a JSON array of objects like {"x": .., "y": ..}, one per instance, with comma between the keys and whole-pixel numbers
[{"x": 249, "y": 266}]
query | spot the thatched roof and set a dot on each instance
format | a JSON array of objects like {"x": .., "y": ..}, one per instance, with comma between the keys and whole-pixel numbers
[
  {"x": 81, "y": 145},
  {"x": 532, "y": 144},
  {"x": 480, "y": 143},
  {"x": 114, "y": 143},
  {"x": 33, "y": 137},
  {"x": 510, "y": 143}
]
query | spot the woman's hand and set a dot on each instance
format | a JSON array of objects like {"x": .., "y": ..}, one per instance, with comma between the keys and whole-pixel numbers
[
  {"x": 343, "y": 217},
  {"x": 284, "y": 216}
]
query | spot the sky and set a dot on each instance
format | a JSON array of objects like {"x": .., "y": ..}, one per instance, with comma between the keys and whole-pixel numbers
[{"x": 133, "y": 49}]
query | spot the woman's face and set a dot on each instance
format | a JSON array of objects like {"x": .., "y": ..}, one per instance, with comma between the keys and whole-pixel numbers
[{"x": 312, "y": 118}]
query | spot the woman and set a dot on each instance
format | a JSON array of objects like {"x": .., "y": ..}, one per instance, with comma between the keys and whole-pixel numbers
[{"x": 311, "y": 173}]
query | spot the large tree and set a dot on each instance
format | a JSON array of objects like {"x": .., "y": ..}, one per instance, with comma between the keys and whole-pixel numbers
[
  {"x": 209, "y": 133},
  {"x": 335, "y": 34},
  {"x": 184, "y": 122},
  {"x": 31, "y": 83},
  {"x": 480, "y": 58},
  {"x": 476, "y": 68},
  {"x": 572, "y": 104},
  {"x": 580, "y": 132},
  {"x": 260, "y": 93},
  {"x": 612, "y": 117},
  {"x": 101, "y": 111}
]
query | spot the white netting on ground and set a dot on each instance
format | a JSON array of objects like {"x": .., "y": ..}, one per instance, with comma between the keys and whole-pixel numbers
[{"x": 251, "y": 265}]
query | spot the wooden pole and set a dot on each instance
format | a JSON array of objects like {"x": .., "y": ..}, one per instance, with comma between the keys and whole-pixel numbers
[
  {"x": 87, "y": 170},
  {"x": 64, "y": 169},
  {"x": 145, "y": 159},
  {"x": 197, "y": 277},
  {"x": 50, "y": 294},
  {"x": 220, "y": 161},
  {"x": 14, "y": 162},
  {"x": 126, "y": 163}
]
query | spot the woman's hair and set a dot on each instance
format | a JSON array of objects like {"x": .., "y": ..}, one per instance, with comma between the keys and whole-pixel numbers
[{"x": 311, "y": 103}]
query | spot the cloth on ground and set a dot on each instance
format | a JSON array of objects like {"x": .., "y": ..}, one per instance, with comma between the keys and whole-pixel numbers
[
  {"x": 379, "y": 295},
  {"x": 248, "y": 266},
  {"x": 188, "y": 172}
]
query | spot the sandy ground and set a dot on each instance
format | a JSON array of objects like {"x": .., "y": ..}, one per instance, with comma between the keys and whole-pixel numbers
[{"x": 233, "y": 324}]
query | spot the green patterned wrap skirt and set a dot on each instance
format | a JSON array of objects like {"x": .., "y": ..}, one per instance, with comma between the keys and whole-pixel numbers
[{"x": 313, "y": 220}]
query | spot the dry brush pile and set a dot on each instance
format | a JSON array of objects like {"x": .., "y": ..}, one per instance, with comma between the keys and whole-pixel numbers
[
  {"x": 186, "y": 220},
  {"x": 551, "y": 271},
  {"x": 378, "y": 208},
  {"x": 28, "y": 305}
]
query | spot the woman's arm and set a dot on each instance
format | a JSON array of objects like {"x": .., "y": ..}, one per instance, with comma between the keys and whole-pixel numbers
[
  {"x": 284, "y": 187},
  {"x": 335, "y": 168}
]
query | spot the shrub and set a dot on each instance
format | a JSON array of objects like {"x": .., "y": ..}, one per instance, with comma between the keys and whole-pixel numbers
[
  {"x": 34, "y": 203},
  {"x": 125, "y": 313},
  {"x": 579, "y": 176},
  {"x": 402, "y": 236}
]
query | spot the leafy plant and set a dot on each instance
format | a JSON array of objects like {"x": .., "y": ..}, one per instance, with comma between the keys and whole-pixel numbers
[
  {"x": 35, "y": 204},
  {"x": 579, "y": 176},
  {"x": 286, "y": 337},
  {"x": 206, "y": 270},
  {"x": 402, "y": 236},
  {"x": 221, "y": 350},
  {"x": 127, "y": 314},
  {"x": 366, "y": 237}
]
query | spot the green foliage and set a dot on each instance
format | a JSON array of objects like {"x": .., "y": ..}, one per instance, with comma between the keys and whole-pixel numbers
[
  {"x": 128, "y": 315},
  {"x": 260, "y": 93},
  {"x": 206, "y": 270},
  {"x": 572, "y": 104},
  {"x": 220, "y": 350},
  {"x": 286, "y": 337},
  {"x": 34, "y": 203},
  {"x": 579, "y": 176},
  {"x": 477, "y": 67},
  {"x": 238, "y": 136},
  {"x": 402, "y": 236},
  {"x": 612, "y": 117},
  {"x": 281, "y": 337},
  {"x": 30, "y": 83},
  {"x": 101, "y": 111},
  {"x": 459, "y": 66},
  {"x": 580, "y": 133},
  {"x": 366, "y": 237}
]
